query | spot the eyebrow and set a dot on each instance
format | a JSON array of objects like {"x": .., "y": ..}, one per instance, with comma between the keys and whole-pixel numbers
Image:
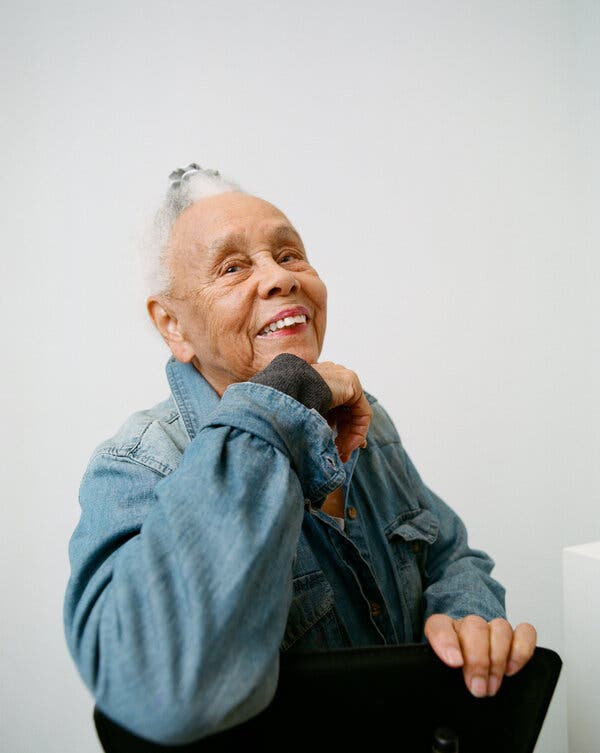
[
  {"x": 231, "y": 241},
  {"x": 281, "y": 233},
  {"x": 225, "y": 243}
]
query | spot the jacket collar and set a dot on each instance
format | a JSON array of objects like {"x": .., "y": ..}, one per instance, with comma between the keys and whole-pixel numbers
[{"x": 194, "y": 396}]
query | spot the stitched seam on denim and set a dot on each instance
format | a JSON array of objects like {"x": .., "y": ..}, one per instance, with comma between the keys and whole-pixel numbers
[
  {"x": 143, "y": 458},
  {"x": 182, "y": 404},
  {"x": 334, "y": 479},
  {"x": 127, "y": 458},
  {"x": 288, "y": 644},
  {"x": 141, "y": 437},
  {"x": 374, "y": 443},
  {"x": 282, "y": 397},
  {"x": 128, "y": 450},
  {"x": 404, "y": 517},
  {"x": 308, "y": 628}
]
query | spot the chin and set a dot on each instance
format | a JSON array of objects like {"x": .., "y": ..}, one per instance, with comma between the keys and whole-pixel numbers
[{"x": 308, "y": 353}]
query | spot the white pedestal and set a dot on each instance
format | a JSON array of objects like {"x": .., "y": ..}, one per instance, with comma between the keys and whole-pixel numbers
[{"x": 581, "y": 583}]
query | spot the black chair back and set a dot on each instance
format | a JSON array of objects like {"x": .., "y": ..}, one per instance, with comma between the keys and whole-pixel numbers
[{"x": 352, "y": 698}]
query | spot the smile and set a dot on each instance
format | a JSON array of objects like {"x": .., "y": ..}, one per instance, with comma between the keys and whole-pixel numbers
[{"x": 286, "y": 322}]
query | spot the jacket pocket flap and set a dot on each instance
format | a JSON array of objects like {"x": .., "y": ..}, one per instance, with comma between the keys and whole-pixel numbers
[{"x": 423, "y": 526}]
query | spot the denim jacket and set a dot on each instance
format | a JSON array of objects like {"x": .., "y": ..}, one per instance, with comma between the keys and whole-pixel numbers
[{"x": 201, "y": 553}]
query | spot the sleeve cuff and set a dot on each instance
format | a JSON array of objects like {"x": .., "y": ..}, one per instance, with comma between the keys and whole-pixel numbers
[{"x": 297, "y": 378}]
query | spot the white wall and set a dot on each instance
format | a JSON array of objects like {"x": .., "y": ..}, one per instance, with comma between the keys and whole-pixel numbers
[{"x": 440, "y": 160}]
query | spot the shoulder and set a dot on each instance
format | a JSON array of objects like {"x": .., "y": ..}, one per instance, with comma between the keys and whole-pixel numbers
[{"x": 155, "y": 438}]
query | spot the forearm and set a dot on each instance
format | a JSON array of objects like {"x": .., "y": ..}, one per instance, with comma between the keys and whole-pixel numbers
[
  {"x": 177, "y": 630},
  {"x": 457, "y": 578},
  {"x": 465, "y": 587}
]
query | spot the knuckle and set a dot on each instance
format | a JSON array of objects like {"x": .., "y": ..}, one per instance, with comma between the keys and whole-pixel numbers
[
  {"x": 472, "y": 622},
  {"x": 527, "y": 626},
  {"x": 501, "y": 628},
  {"x": 500, "y": 648},
  {"x": 521, "y": 651},
  {"x": 437, "y": 626},
  {"x": 525, "y": 636},
  {"x": 479, "y": 665},
  {"x": 498, "y": 667}
]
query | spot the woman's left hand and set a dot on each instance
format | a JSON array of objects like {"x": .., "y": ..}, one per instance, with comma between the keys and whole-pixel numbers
[{"x": 485, "y": 650}]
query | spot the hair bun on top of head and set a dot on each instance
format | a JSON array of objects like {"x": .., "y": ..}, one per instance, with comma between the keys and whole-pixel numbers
[{"x": 183, "y": 173}]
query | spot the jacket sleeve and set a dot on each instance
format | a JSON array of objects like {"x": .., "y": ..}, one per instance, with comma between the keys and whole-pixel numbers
[
  {"x": 458, "y": 579},
  {"x": 180, "y": 587}
]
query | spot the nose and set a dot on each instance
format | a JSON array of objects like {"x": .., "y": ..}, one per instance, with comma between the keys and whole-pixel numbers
[{"x": 276, "y": 280}]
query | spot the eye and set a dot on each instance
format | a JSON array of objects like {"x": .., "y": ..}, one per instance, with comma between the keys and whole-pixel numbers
[
  {"x": 288, "y": 256},
  {"x": 231, "y": 267}
]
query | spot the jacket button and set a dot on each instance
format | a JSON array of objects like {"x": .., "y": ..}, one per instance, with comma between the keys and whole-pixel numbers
[
  {"x": 375, "y": 609},
  {"x": 416, "y": 547},
  {"x": 352, "y": 513}
]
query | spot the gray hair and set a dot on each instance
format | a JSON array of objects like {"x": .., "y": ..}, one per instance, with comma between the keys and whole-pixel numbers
[{"x": 188, "y": 184}]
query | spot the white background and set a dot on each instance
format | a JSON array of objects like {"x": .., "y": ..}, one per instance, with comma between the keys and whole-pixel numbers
[{"x": 440, "y": 160}]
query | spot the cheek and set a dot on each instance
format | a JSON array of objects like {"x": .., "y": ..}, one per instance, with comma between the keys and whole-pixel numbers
[
  {"x": 314, "y": 287},
  {"x": 318, "y": 294},
  {"x": 205, "y": 326},
  {"x": 228, "y": 319}
]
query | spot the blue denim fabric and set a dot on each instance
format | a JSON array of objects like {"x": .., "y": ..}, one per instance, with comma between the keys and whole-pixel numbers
[{"x": 201, "y": 553}]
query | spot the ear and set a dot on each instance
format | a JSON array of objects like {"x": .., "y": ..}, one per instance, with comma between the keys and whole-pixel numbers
[{"x": 167, "y": 323}]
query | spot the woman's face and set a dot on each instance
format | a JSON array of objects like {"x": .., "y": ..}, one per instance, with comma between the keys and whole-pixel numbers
[{"x": 243, "y": 290}]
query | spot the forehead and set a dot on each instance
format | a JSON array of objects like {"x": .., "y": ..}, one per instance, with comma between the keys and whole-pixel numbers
[{"x": 229, "y": 218}]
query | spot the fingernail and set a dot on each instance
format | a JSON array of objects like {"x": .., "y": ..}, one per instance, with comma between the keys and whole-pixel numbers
[
  {"x": 479, "y": 687},
  {"x": 493, "y": 685},
  {"x": 453, "y": 657}
]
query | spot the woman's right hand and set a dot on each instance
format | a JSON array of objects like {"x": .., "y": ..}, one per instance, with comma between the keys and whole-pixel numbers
[{"x": 350, "y": 410}]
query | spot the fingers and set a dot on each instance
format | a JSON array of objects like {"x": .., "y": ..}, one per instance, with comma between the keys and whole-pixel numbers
[
  {"x": 486, "y": 650},
  {"x": 351, "y": 412},
  {"x": 443, "y": 639},
  {"x": 523, "y": 645},
  {"x": 500, "y": 642},
  {"x": 345, "y": 386},
  {"x": 474, "y": 637},
  {"x": 352, "y": 424}
]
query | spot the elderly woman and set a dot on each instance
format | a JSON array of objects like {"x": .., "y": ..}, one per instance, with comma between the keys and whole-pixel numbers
[{"x": 266, "y": 505}]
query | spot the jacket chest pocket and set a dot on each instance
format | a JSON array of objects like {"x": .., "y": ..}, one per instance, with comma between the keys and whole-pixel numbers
[
  {"x": 411, "y": 535},
  {"x": 410, "y": 538}
]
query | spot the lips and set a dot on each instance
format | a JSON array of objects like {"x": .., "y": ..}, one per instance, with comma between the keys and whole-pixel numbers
[{"x": 285, "y": 319}]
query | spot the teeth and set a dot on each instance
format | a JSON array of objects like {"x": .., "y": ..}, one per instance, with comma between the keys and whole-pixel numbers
[{"x": 288, "y": 321}]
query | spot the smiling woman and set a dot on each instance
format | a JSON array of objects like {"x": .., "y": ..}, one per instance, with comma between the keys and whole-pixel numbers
[
  {"x": 266, "y": 506},
  {"x": 236, "y": 266}
]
